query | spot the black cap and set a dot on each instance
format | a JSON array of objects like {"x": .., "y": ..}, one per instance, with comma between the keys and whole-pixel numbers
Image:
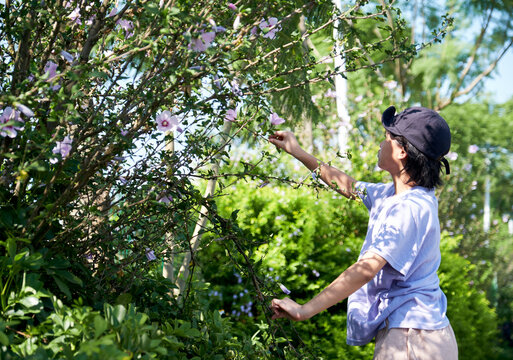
[{"x": 423, "y": 128}]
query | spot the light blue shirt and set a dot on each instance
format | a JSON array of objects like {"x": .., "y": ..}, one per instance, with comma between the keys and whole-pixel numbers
[{"x": 403, "y": 229}]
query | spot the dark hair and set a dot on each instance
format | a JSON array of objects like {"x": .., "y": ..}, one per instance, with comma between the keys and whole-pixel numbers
[{"x": 422, "y": 170}]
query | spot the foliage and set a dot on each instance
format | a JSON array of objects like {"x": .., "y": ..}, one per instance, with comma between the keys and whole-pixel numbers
[
  {"x": 79, "y": 332},
  {"x": 304, "y": 240},
  {"x": 111, "y": 115},
  {"x": 473, "y": 322}
]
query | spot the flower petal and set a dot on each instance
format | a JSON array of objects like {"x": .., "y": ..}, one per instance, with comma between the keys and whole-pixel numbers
[{"x": 284, "y": 289}]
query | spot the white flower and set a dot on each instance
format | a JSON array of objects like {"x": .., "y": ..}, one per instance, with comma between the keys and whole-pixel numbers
[
  {"x": 166, "y": 199},
  {"x": 268, "y": 24},
  {"x": 167, "y": 122},
  {"x": 10, "y": 115},
  {"x": 231, "y": 115},
  {"x": 236, "y": 22},
  {"x": 452, "y": 156},
  {"x": 275, "y": 119},
  {"x": 204, "y": 41},
  {"x": 75, "y": 16},
  {"x": 63, "y": 147},
  {"x": 390, "y": 84},
  {"x": 472, "y": 149},
  {"x": 330, "y": 94},
  {"x": 235, "y": 88}
]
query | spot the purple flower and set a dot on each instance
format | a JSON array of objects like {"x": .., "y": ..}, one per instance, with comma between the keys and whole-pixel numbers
[
  {"x": 263, "y": 184},
  {"x": 166, "y": 199},
  {"x": 231, "y": 115},
  {"x": 126, "y": 25},
  {"x": 51, "y": 70},
  {"x": 284, "y": 289},
  {"x": 63, "y": 147},
  {"x": 203, "y": 42},
  {"x": 232, "y": 6},
  {"x": 265, "y": 25},
  {"x": 217, "y": 81},
  {"x": 219, "y": 29},
  {"x": 330, "y": 94},
  {"x": 275, "y": 119},
  {"x": 253, "y": 30},
  {"x": 235, "y": 88},
  {"x": 316, "y": 273},
  {"x": 167, "y": 122},
  {"x": 89, "y": 22},
  {"x": 10, "y": 116},
  {"x": 472, "y": 149},
  {"x": 25, "y": 110},
  {"x": 67, "y": 56},
  {"x": 113, "y": 12},
  {"x": 75, "y": 16},
  {"x": 124, "y": 133},
  {"x": 150, "y": 255}
]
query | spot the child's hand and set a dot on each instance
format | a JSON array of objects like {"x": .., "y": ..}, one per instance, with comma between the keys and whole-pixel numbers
[
  {"x": 287, "y": 308},
  {"x": 285, "y": 140}
]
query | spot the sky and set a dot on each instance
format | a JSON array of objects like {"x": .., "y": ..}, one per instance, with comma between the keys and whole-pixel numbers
[{"x": 501, "y": 82}]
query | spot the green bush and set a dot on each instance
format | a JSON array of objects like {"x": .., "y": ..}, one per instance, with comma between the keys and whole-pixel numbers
[
  {"x": 119, "y": 332},
  {"x": 474, "y": 322},
  {"x": 304, "y": 240}
]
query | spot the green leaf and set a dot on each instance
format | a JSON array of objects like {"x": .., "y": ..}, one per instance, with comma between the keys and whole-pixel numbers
[
  {"x": 152, "y": 8},
  {"x": 124, "y": 299},
  {"x": 10, "y": 155},
  {"x": 29, "y": 301},
  {"x": 174, "y": 11},
  {"x": 11, "y": 247},
  {"x": 66, "y": 275},
  {"x": 119, "y": 313},
  {"x": 4, "y": 340},
  {"x": 100, "y": 325},
  {"x": 100, "y": 74},
  {"x": 62, "y": 286}
]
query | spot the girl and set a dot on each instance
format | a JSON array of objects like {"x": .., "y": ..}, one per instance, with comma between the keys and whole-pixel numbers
[{"x": 393, "y": 288}]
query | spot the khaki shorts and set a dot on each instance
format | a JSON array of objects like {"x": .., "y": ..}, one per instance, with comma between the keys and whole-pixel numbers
[{"x": 416, "y": 344}]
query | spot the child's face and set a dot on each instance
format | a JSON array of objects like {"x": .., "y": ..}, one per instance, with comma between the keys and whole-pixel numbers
[{"x": 391, "y": 155}]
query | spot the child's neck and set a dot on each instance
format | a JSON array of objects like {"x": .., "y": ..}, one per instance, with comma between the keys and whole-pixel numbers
[{"x": 401, "y": 183}]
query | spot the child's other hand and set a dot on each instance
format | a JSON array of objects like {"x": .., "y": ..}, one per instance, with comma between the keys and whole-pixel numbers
[{"x": 287, "y": 308}]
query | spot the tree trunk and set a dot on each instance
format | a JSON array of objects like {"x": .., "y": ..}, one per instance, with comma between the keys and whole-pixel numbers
[{"x": 183, "y": 274}]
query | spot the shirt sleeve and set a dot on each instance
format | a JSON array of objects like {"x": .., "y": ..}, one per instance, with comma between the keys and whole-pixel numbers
[
  {"x": 368, "y": 192},
  {"x": 397, "y": 239}
]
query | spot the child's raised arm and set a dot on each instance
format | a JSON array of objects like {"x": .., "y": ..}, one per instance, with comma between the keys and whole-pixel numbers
[{"x": 333, "y": 177}]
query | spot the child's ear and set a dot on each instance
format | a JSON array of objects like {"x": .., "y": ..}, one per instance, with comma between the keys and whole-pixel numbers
[{"x": 402, "y": 154}]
